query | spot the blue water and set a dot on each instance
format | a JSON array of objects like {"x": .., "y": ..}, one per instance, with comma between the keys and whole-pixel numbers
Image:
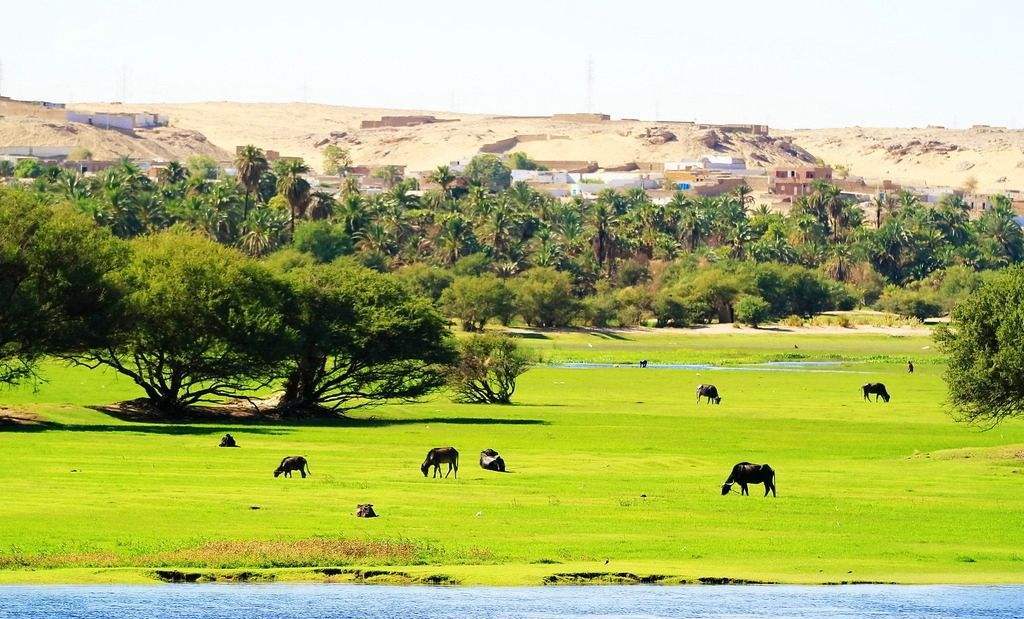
[{"x": 316, "y": 601}]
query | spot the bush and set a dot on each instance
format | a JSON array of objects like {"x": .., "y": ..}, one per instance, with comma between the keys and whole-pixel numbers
[
  {"x": 323, "y": 240},
  {"x": 475, "y": 300},
  {"x": 673, "y": 308},
  {"x": 792, "y": 321},
  {"x": 633, "y": 273},
  {"x": 473, "y": 264},
  {"x": 488, "y": 171},
  {"x": 487, "y": 369},
  {"x": 752, "y": 310},
  {"x": 910, "y": 303},
  {"x": 425, "y": 280},
  {"x": 544, "y": 298},
  {"x": 633, "y": 306},
  {"x": 600, "y": 310}
]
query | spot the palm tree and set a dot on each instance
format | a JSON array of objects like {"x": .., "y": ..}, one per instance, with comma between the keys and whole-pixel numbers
[
  {"x": 389, "y": 174},
  {"x": 322, "y": 205},
  {"x": 251, "y": 163},
  {"x": 443, "y": 176},
  {"x": 293, "y": 187},
  {"x": 173, "y": 173}
]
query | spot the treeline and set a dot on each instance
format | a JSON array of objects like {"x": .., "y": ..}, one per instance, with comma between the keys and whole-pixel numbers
[{"x": 627, "y": 260}]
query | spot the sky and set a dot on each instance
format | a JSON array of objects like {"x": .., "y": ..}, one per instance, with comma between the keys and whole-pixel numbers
[{"x": 787, "y": 63}]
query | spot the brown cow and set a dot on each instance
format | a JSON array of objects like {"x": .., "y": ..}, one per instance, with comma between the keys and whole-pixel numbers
[{"x": 293, "y": 463}]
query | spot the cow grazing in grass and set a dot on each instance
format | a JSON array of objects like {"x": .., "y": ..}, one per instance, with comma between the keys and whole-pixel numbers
[
  {"x": 228, "y": 441},
  {"x": 877, "y": 389},
  {"x": 491, "y": 461},
  {"x": 710, "y": 392},
  {"x": 643, "y": 363},
  {"x": 438, "y": 456},
  {"x": 746, "y": 473},
  {"x": 292, "y": 463}
]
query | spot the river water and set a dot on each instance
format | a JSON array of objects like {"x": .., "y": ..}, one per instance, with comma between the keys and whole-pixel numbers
[{"x": 323, "y": 601}]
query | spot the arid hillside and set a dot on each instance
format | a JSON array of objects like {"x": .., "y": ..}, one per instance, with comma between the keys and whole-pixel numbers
[
  {"x": 303, "y": 129},
  {"x": 24, "y": 125},
  {"x": 992, "y": 156}
]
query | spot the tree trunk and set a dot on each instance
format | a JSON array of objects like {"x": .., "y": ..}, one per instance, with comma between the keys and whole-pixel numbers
[{"x": 300, "y": 386}]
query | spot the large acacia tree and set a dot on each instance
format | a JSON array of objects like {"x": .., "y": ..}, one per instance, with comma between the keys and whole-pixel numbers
[
  {"x": 985, "y": 351},
  {"x": 197, "y": 321},
  {"x": 56, "y": 290},
  {"x": 360, "y": 338}
]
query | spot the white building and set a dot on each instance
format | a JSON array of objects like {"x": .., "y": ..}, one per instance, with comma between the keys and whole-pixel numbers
[
  {"x": 126, "y": 121},
  {"x": 722, "y": 163}
]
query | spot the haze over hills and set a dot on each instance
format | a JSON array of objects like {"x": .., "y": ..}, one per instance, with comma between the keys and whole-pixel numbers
[{"x": 994, "y": 157}]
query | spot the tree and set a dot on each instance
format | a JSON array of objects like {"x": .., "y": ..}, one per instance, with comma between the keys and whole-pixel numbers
[
  {"x": 752, "y": 310},
  {"x": 323, "y": 240},
  {"x": 544, "y": 298},
  {"x": 487, "y": 369},
  {"x": 28, "y": 168},
  {"x": 390, "y": 174},
  {"x": 985, "y": 353},
  {"x": 443, "y": 176},
  {"x": 476, "y": 299},
  {"x": 360, "y": 339},
  {"x": 489, "y": 172},
  {"x": 336, "y": 160},
  {"x": 251, "y": 164},
  {"x": 197, "y": 321},
  {"x": 6, "y": 168},
  {"x": 56, "y": 289},
  {"x": 521, "y": 161},
  {"x": 293, "y": 187},
  {"x": 202, "y": 167}
]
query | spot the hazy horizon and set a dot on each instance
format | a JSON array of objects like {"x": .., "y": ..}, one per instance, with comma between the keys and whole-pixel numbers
[{"x": 794, "y": 64}]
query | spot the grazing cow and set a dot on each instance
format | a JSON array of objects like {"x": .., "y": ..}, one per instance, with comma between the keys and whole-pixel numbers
[
  {"x": 491, "y": 461},
  {"x": 441, "y": 455},
  {"x": 710, "y": 392},
  {"x": 910, "y": 367},
  {"x": 643, "y": 363},
  {"x": 293, "y": 463},
  {"x": 365, "y": 510},
  {"x": 746, "y": 473},
  {"x": 878, "y": 389},
  {"x": 228, "y": 441}
]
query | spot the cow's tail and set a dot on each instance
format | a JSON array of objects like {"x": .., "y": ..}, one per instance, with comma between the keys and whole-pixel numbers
[{"x": 308, "y": 472}]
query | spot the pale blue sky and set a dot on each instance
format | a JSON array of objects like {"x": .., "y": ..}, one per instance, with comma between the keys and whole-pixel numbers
[{"x": 789, "y": 63}]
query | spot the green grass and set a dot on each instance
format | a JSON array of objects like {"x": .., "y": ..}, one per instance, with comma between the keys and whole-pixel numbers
[{"x": 614, "y": 465}]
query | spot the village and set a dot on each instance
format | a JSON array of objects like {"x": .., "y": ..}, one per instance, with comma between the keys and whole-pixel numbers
[{"x": 714, "y": 172}]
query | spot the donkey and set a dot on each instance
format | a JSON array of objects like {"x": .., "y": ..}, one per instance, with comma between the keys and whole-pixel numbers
[
  {"x": 746, "y": 473},
  {"x": 293, "y": 463},
  {"x": 441, "y": 455},
  {"x": 878, "y": 389}
]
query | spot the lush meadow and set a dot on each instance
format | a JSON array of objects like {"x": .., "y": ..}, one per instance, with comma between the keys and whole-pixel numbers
[{"x": 614, "y": 473}]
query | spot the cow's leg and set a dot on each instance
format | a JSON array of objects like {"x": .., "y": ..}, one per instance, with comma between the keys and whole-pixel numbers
[
  {"x": 743, "y": 490},
  {"x": 303, "y": 471},
  {"x": 767, "y": 487},
  {"x": 449, "y": 470}
]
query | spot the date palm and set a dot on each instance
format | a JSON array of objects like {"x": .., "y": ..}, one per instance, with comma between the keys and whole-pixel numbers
[
  {"x": 292, "y": 185},
  {"x": 444, "y": 177},
  {"x": 251, "y": 163}
]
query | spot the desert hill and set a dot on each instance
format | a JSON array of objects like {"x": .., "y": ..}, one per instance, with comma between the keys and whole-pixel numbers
[{"x": 994, "y": 157}]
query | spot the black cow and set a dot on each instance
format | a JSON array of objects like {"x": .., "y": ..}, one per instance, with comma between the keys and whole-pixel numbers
[
  {"x": 491, "y": 461},
  {"x": 438, "y": 456},
  {"x": 293, "y": 463},
  {"x": 878, "y": 389},
  {"x": 643, "y": 363},
  {"x": 710, "y": 392},
  {"x": 746, "y": 473},
  {"x": 228, "y": 441}
]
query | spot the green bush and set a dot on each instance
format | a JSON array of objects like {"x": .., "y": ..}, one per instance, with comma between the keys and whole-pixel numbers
[
  {"x": 544, "y": 298},
  {"x": 911, "y": 303},
  {"x": 752, "y": 310},
  {"x": 323, "y": 240},
  {"x": 476, "y": 299}
]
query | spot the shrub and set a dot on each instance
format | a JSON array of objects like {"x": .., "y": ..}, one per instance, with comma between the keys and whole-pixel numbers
[
  {"x": 323, "y": 240},
  {"x": 487, "y": 369},
  {"x": 425, "y": 280},
  {"x": 910, "y": 303},
  {"x": 633, "y": 306},
  {"x": 600, "y": 310},
  {"x": 475, "y": 300},
  {"x": 792, "y": 321},
  {"x": 633, "y": 273},
  {"x": 752, "y": 310},
  {"x": 544, "y": 298}
]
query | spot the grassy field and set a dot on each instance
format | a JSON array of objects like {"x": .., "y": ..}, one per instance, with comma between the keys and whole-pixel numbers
[{"x": 615, "y": 477}]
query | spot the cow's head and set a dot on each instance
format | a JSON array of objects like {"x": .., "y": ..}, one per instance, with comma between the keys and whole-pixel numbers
[
  {"x": 726, "y": 488},
  {"x": 278, "y": 471},
  {"x": 424, "y": 467},
  {"x": 718, "y": 400}
]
